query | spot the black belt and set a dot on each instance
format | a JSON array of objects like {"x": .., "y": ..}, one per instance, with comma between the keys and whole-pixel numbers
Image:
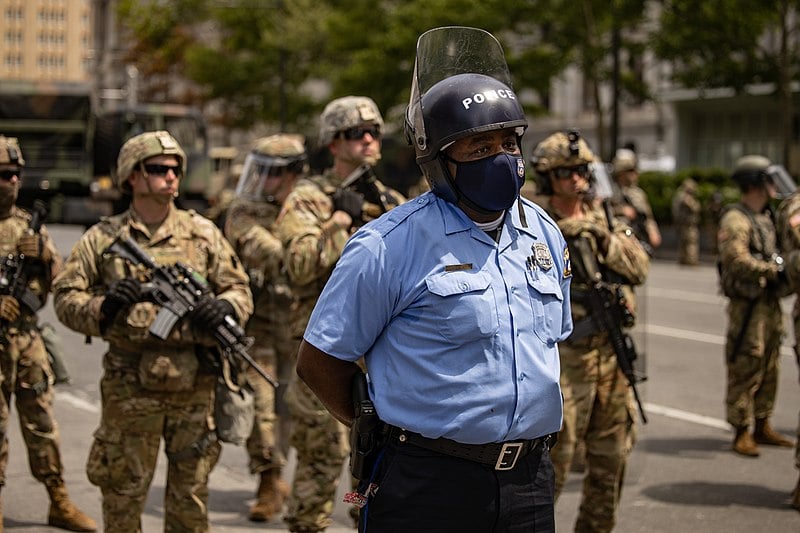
[{"x": 500, "y": 455}]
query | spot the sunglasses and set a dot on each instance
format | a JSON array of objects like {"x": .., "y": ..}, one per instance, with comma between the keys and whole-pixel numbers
[
  {"x": 563, "y": 173},
  {"x": 6, "y": 175},
  {"x": 357, "y": 133},
  {"x": 161, "y": 170}
]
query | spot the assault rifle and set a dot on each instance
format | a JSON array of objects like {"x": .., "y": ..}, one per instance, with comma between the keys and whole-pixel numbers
[
  {"x": 15, "y": 269},
  {"x": 179, "y": 290},
  {"x": 608, "y": 313},
  {"x": 362, "y": 180}
]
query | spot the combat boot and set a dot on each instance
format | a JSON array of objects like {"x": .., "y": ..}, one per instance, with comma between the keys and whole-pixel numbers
[
  {"x": 272, "y": 491},
  {"x": 744, "y": 444},
  {"x": 796, "y": 496},
  {"x": 63, "y": 513},
  {"x": 764, "y": 434}
]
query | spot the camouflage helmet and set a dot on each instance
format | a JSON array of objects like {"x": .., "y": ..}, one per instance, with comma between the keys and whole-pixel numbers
[
  {"x": 272, "y": 156},
  {"x": 10, "y": 152},
  {"x": 689, "y": 185},
  {"x": 559, "y": 150},
  {"x": 282, "y": 145},
  {"x": 750, "y": 171},
  {"x": 143, "y": 146},
  {"x": 624, "y": 160},
  {"x": 347, "y": 112}
]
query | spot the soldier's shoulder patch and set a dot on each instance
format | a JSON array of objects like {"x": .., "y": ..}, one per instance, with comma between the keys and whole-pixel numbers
[{"x": 567, "y": 263}]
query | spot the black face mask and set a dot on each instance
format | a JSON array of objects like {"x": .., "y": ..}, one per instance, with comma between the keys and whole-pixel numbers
[{"x": 491, "y": 183}]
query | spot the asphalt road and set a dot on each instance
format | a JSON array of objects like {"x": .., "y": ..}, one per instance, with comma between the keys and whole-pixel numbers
[{"x": 682, "y": 476}]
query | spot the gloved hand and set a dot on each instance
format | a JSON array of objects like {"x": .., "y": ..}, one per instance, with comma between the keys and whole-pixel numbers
[
  {"x": 211, "y": 313},
  {"x": 31, "y": 245},
  {"x": 120, "y": 294},
  {"x": 9, "y": 308},
  {"x": 348, "y": 201},
  {"x": 576, "y": 227}
]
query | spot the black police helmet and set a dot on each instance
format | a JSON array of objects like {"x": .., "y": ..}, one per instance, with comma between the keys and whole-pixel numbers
[{"x": 457, "y": 107}]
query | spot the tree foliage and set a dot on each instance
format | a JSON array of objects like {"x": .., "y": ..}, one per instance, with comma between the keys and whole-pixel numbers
[
  {"x": 256, "y": 59},
  {"x": 734, "y": 43}
]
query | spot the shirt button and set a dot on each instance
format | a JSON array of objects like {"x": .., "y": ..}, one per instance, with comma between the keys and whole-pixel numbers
[{"x": 464, "y": 286}]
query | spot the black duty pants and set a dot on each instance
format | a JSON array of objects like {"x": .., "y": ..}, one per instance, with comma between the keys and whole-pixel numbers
[{"x": 424, "y": 491}]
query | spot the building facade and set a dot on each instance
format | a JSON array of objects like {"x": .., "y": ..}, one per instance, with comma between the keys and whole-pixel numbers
[{"x": 46, "y": 40}]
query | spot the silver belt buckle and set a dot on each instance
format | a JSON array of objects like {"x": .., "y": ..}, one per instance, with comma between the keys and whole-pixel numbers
[{"x": 504, "y": 460}]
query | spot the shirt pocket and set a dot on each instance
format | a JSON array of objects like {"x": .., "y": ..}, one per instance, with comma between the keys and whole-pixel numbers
[
  {"x": 547, "y": 302},
  {"x": 463, "y": 305}
]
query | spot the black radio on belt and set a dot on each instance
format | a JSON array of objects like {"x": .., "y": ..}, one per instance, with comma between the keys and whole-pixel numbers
[{"x": 365, "y": 432}]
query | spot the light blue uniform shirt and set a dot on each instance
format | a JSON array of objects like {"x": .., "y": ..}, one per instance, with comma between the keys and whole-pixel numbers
[{"x": 459, "y": 331}]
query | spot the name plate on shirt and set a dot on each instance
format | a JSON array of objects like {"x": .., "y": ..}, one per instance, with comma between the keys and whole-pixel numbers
[{"x": 456, "y": 268}]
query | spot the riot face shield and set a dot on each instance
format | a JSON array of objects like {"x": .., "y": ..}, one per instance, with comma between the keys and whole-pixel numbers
[
  {"x": 784, "y": 184},
  {"x": 261, "y": 176},
  {"x": 600, "y": 181},
  {"x": 443, "y": 53}
]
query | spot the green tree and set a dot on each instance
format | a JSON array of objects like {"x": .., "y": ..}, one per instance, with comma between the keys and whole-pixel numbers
[{"x": 734, "y": 43}]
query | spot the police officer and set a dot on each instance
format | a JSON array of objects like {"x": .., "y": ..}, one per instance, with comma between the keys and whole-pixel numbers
[
  {"x": 456, "y": 301},
  {"x": 686, "y": 215},
  {"x": 598, "y": 405},
  {"x": 630, "y": 201},
  {"x": 270, "y": 172},
  {"x": 25, "y": 370},
  {"x": 788, "y": 225},
  {"x": 751, "y": 275},
  {"x": 318, "y": 218},
  {"x": 152, "y": 388}
]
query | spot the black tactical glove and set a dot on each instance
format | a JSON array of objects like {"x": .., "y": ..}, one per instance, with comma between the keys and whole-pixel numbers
[
  {"x": 350, "y": 202},
  {"x": 120, "y": 294},
  {"x": 211, "y": 314}
]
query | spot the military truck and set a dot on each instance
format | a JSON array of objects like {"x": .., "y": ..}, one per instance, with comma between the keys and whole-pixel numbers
[{"x": 70, "y": 142}]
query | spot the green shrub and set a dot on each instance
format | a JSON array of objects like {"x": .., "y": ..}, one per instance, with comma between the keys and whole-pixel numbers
[{"x": 661, "y": 187}]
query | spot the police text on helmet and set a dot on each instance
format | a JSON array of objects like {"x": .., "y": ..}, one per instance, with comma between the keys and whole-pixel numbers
[{"x": 490, "y": 95}]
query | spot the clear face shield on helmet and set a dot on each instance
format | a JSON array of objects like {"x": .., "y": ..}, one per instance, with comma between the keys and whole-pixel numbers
[
  {"x": 600, "y": 180},
  {"x": 784, "y": 184},
  {"x": 261, "y": 176},
  {"x": 446, "y": 52}
]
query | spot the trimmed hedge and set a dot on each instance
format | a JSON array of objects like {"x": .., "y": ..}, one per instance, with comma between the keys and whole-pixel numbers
[{"x": 661, "y": 186}]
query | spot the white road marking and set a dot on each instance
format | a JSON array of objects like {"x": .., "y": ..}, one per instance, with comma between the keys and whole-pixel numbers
[
  {"x": 75, "y": 401},
  {"x": 686, "y": 416}
]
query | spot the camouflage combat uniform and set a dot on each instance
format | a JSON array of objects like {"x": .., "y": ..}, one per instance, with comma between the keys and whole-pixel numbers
[
  {"x": 634, "y": 196},
  {"x": 152, "y": 389},
  {"x": 749, "y": 278},
  {"x": 25, "y": 366},
  {"x": 788, "y": 222},
  {"x": 598, "y": 402},
  {"x": 250, "y": 228},
  {"x": 311, "y": 253},
  {"x": 686, "y": 215}
]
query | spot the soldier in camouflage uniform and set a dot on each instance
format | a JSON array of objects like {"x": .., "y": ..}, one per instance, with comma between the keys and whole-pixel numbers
[
  {"x": 598, "y": 401},
  {"x": 751, "y": 275},
  {"x": 25, "y": 370},
  {"x": 630, "y": 201},
  {"x": 270, "y": 172},
  {"x": 686, "y": 215},
  {"x": 318, "y": 218},
  {"x": 152, "y": 388},
  {"x": 788, "y": 223}
]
